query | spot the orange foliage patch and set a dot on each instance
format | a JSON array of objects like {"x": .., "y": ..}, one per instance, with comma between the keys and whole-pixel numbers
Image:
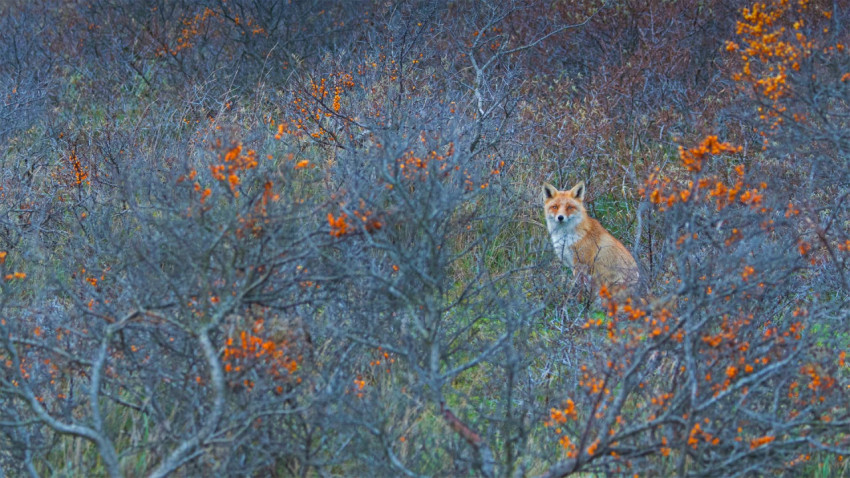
[
  {"x": 310, "y": 111},
  {"x": 761, "y": 441},
  {"x": 249, "y": 350},
  {"x": 233, "y": 162}
]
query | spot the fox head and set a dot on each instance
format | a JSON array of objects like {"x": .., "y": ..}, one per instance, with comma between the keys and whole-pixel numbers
[{"x": 564, "y": 209}]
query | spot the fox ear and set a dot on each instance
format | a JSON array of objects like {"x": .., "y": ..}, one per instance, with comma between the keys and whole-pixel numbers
[
  {"x": 578, "y": 191},
  {"x": 549, "y": 191}
]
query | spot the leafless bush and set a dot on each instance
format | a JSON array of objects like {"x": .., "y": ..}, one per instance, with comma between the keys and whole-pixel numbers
[{"x": 249, "y": 238}]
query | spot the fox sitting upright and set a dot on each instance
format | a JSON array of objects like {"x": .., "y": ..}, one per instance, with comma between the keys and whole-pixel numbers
[{"x": 583, "y": 244}]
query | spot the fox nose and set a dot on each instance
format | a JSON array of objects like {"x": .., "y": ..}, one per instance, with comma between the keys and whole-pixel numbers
[{"x": 561, "y": 218}]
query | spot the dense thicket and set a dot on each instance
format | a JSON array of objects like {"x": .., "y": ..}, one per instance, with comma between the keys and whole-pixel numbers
[{"x": 272, "y": 238}]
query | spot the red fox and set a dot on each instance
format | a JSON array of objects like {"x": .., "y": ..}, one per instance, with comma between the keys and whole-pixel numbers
[{"x": 583, "y": 244}]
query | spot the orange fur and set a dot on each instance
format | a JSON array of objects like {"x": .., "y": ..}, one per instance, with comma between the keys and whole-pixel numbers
[{"x": 583, "y": 244}]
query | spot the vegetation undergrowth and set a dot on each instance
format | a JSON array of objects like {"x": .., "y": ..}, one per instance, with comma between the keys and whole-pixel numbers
[{"x": 305, "y": 238}]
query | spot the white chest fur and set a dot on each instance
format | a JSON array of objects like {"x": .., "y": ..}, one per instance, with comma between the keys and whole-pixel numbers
[{"x": 563, "y": 237}]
